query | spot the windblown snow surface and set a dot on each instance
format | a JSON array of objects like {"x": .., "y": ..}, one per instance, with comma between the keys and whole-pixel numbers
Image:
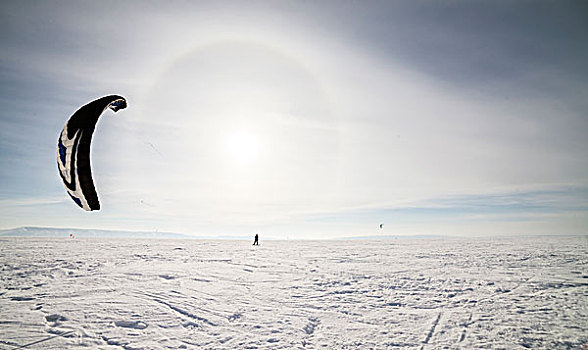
[{"x": 190, "y": 294}]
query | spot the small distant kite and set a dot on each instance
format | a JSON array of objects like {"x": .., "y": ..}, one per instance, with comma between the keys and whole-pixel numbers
[
  {"x": 73, "y": 150},
  {"x": 381, "y": 226}
]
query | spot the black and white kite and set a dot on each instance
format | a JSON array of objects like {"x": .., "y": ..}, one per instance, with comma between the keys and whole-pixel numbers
[{"x": 73, "y": 150}]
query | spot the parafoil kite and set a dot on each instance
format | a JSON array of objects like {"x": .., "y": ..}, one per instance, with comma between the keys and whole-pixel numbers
[{"x": 73, "y": 150}]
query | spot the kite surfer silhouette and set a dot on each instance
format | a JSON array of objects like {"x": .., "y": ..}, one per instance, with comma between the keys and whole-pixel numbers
[{"x": 256, "y": 240}]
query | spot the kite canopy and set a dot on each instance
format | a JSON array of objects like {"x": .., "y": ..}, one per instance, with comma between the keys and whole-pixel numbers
[{"x": 73, "y": 150}]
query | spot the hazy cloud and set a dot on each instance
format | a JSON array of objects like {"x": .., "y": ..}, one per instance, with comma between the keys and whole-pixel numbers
[{"x": 354, "y": 105}]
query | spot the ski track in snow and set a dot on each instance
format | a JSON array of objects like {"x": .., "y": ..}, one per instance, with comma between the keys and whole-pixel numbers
[{"x": 190, "y": 294}]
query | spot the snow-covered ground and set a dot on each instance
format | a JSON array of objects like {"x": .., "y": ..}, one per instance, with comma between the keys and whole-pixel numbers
[{"x": 190, "y": 294}]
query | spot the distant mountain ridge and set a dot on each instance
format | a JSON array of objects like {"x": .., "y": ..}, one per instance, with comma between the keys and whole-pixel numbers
[
  {"x": 78, "y": 232},
  {"x": 28, "y": 231}
]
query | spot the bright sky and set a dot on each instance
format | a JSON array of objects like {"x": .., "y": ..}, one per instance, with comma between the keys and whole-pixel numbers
[{"x": 302, "y": 119}]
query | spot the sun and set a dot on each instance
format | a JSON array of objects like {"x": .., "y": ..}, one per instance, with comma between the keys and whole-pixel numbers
[{"x": 242, "y": 147}]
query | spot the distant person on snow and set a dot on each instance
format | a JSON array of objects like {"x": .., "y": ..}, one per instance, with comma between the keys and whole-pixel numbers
[{"x": 256, "y": 240}]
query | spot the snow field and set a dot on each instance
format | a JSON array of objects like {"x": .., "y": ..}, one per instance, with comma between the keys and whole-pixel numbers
[{"x": 191, "y": 294}]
